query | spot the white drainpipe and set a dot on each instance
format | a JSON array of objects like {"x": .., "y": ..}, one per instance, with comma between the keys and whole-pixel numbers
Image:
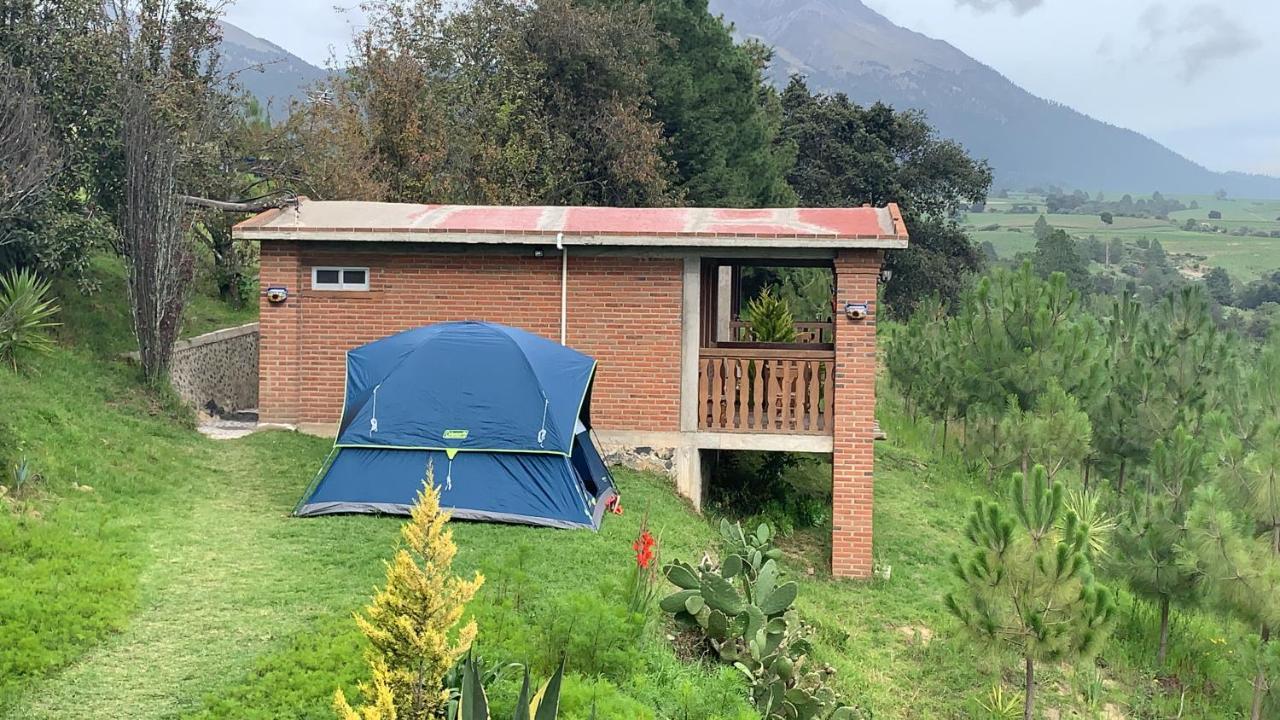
[{"x": 564, "y": 288}]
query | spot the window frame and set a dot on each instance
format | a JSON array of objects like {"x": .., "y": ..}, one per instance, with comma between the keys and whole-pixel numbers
[{"x": 341, "y": 285}]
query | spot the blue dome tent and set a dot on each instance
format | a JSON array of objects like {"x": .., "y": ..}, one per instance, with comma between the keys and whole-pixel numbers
[{"x": 502, "y": 415}]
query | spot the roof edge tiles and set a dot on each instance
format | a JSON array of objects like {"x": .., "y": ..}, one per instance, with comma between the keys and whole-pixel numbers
[{"x": 861, "y": 227}]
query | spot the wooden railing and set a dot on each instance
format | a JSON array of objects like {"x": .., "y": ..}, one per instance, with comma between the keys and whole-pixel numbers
[
  {"x": 766, "y": 391},
  {"x": 806, "y": 332}
]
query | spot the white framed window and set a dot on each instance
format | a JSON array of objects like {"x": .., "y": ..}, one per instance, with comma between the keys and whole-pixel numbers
[{"x": 340, "y": 278}]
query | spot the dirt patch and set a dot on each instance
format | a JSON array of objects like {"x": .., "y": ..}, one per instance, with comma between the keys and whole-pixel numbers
[{"x": 916, "y": 634}]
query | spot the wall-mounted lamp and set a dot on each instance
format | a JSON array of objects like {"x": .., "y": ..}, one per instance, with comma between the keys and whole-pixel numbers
[
  {"x": 885, "y": 276},
  {"x": 856, "y": 311},
  {"x": 277, "y": 294},
  {"x": 538, "y": 252}
]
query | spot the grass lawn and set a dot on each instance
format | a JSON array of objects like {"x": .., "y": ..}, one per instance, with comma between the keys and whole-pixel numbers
[{"x": 156, "y": 574}]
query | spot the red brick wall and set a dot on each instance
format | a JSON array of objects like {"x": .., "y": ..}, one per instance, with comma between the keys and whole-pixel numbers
[
  {"x": 624, "y": 311},
  {"x": 853, "y": 461}
]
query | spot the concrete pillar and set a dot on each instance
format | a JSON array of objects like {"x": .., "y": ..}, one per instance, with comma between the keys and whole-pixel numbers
[
  {"x": 690, "y": 339},
  {"x": 689, "y": 466},
  {"x": 724, "y": 302},
  {"x": 853, "y": 458},
  {"x": 688, "y": 463}
]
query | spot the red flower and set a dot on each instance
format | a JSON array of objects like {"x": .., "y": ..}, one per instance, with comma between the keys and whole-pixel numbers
[{"x": 644, "y": 549}]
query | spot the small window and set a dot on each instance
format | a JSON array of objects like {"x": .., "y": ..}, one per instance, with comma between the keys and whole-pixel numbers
[{"x": 339, "y": 278}]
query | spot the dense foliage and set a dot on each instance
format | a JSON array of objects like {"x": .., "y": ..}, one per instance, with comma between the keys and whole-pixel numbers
[
  {"x": 1149, "y": 393},
  {"x": 847, "y": 155},
  {"x": 719, "y": 118}
]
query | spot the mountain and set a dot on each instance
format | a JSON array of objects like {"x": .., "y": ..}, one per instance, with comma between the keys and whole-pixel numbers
[
  {"x": 842, "y": 45},
  {"x": 267, "y": 71}
]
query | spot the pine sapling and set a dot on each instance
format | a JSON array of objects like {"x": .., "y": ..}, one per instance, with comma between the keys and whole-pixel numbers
[
  {"x": 1027, "y": 584},
  {"x": 1148, "y": 541}
]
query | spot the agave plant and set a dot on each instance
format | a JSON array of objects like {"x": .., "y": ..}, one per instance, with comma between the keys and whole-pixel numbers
[
  {"x": 473, "y": 702},
  {"x": 25, "y": 315}
]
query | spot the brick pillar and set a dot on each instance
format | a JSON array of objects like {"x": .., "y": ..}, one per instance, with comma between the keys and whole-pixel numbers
[
  {"x": 853, "y": 462},
  {"x": 279, "y": 362}
]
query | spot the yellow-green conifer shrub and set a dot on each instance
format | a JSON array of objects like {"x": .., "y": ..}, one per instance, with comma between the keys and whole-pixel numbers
[{"x": 410, "y": 623}]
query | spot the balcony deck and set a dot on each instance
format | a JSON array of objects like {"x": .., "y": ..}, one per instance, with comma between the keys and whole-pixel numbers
[{"x": 766, "y": 389}]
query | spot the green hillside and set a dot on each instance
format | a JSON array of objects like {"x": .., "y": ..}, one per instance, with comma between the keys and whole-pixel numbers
[{"x": 158, "y": 574}]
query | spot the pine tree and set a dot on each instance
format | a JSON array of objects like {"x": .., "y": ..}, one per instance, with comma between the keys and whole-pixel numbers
[
  {"x": 908, "y": 352},
  {"x": 1041, "y": 229},
  {"x": 1183, "y": 351},
  {"x": 1055, "y": 434},
  {"x": 1147, "y": 541},
  {"x": 1017, "y": 334},
  {"x": 1234, "y": 524},
  {"x": 1057, "y": 252},
  {"x": 1027, "y": 585},
  {"x": 1114, "y": 413},
  {"x": 1162, "y": 366},
  {"x": 410, "y": 623}
]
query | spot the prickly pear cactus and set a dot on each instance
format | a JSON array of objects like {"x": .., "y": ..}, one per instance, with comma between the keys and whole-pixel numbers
[{"x": 743, "y": 607}]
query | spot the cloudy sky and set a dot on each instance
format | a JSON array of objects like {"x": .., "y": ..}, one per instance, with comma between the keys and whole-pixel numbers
[{"x": 1198, "y": 75}]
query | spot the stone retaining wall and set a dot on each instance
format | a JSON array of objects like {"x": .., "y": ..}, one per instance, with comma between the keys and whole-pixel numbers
[{"x": 220, "y": 367}]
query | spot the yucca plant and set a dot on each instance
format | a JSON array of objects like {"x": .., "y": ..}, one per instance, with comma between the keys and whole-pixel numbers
[{"x": 26, "y": 313}]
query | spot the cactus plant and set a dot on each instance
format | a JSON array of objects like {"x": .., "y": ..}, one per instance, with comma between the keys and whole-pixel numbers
[
  {"x": 751, "y": 549},
  {"x": 743, "y": 608}
]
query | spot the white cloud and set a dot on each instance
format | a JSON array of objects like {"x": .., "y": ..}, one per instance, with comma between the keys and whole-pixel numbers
[{"x": 1019, "y": 7}]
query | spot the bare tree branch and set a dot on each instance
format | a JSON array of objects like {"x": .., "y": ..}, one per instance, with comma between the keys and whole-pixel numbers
[
  {"x": 153, "y": 229},
  {"x": 254, "y": 206},
  {"x": 29, "y": 155}
]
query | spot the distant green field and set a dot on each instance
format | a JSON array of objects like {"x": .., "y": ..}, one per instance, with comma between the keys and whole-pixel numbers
[{"x": 1243, "y": 257}]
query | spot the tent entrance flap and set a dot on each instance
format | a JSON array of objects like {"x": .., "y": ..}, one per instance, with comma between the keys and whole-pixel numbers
[{"x": 496, "y": 411}]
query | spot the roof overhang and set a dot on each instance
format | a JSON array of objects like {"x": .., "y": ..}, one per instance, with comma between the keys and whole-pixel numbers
[{"x": 697, "y": 227}]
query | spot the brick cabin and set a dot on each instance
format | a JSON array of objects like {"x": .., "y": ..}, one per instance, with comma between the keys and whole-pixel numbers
[{"x": 652, "y": 294}]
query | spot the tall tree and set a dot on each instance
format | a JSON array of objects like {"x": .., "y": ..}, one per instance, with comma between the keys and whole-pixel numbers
[
  {"x": 719, "y": 116},
  {"x": 29, "y": 157},
  {"x": 1218, "y": 283},
  {"x": 1115, "y": 413},
  {"x": 66, "y": 49},
  {"x": 1234, "y": 522},
  {"x": 153, "y": 231},
  {"x": 502, "y": 101},
  {"x": 1027, "y": 585},
  {"x": 847, "y": 155},
  {"x": 1018, "y": 336},
  {"x": 1056, "y": 253},
  {"x": 1149, "y": 539},
  {"x": 1042, "y": 229},
  {"x": 168, "y": 96}
]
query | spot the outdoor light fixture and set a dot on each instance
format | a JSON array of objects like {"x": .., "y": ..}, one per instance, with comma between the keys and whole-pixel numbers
[
  {"x": 886, "y": 275},
  {"x": 277, "y": 294},
  {"x": 855, "y": 311},
  {"x": 538, "y": 252}
]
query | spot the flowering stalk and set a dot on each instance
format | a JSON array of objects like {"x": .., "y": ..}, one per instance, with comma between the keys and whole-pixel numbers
[{"x": 644, "y": 573}]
